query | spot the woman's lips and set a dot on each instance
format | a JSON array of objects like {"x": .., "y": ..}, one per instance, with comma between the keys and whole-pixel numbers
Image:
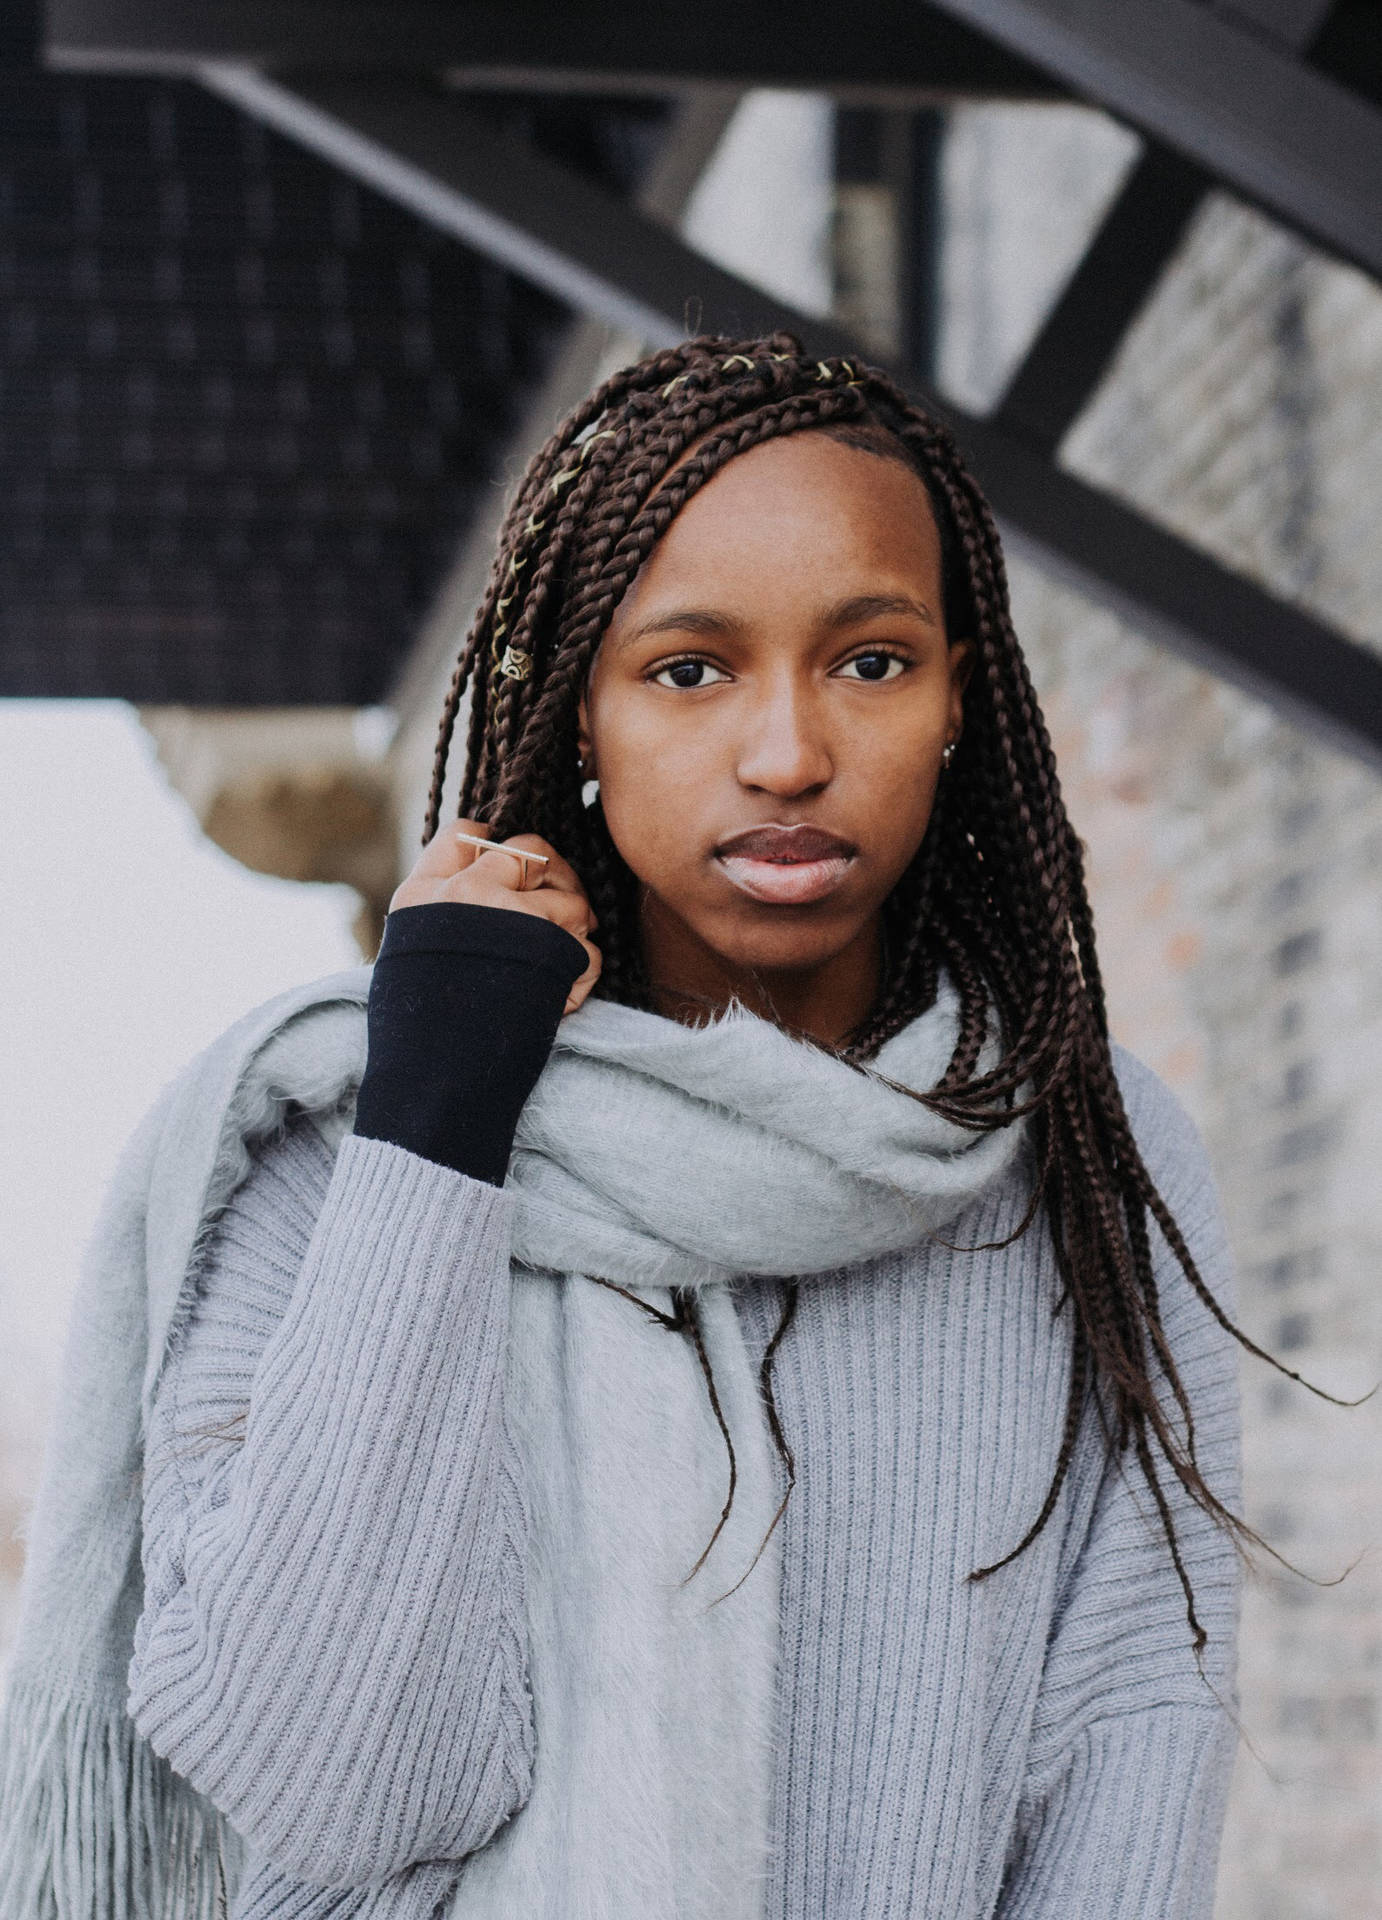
[
  {"x": 789, "y": 866},
  {"x": 789, "y": 883}
]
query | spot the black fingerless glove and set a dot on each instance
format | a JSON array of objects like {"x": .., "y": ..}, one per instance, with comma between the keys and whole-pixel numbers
[{"x": 463, "y": 1009}]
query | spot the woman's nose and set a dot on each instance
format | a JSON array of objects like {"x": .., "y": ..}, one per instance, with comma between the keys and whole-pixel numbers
[{"x": 784, "y": 749}]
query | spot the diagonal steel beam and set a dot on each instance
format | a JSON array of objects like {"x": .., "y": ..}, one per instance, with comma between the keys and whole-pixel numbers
[
  {"x": 444, "y": 162},
  {"x": 1218, "y": 83},
  {"x": 1075, "y": 344},
  {"x": 1073, "y": 348},
  {"x": 613, "y": 262},
  {"x": 1181, "y": 597},
  {"x": 1219, "y": 91}
]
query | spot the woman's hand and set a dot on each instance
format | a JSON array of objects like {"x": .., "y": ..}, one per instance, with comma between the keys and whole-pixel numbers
[{"x": 449, "y": 869}]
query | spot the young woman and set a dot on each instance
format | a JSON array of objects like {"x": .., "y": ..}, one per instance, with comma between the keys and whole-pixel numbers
[{"x": 737, "y": 1418}]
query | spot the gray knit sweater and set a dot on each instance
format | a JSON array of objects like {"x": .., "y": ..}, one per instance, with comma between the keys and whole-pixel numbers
[{"x": 1037, "y": 1746}]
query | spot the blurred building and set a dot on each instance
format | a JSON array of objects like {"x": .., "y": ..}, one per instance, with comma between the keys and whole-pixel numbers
[{"x": 267, "y": 372}]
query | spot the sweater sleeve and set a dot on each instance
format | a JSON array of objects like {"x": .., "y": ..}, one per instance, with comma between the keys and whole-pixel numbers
[
  {"x": 333, "y": 1642},
  {"x": 463, "y": 1009},
  {"x": 1132, "y": 1744}
]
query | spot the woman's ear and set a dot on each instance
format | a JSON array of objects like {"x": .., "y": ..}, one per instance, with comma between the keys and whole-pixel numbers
[{"x": 583, "y": 746}]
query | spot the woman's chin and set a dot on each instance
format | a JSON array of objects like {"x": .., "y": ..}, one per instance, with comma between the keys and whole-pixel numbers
[
  {"x": 787, "y": 944},
  {"x": 743, "y": 937}
]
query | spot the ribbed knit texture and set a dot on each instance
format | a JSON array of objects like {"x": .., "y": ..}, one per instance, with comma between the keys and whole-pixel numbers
[
  {"x": 1037, "y": 1745},
  {"x": 357, "y": 1551}
]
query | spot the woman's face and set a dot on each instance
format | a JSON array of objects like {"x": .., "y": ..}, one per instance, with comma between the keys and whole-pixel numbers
[{"x": 781, "y": 662}]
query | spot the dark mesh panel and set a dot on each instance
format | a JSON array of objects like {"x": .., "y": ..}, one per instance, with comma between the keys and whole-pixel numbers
[{"x": 246, "y": 405}]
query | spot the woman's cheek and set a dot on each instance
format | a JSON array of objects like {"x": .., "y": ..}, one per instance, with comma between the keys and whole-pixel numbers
[
  {"x": 636, "y": 815},
  {"x": 656, "y": 792}
]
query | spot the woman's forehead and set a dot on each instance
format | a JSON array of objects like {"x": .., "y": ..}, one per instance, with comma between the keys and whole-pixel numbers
[{"x": 806, "y": 502}]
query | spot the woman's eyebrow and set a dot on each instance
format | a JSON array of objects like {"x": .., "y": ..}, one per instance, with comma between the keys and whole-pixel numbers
[
  {"x": 679, "y": 620},
  {"x": 872, "y": 606},
  {"x": 845, "y": 613}
]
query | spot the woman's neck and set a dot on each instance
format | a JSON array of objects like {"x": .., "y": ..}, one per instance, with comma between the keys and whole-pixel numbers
[{"x": 691, "y": 982}]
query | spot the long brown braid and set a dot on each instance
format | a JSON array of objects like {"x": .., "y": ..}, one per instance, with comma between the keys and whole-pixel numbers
[{"x": 995, "y": 897}]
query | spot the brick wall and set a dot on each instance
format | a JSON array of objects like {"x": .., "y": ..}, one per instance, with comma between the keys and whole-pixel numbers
[{"x": 1235, "y": 866}]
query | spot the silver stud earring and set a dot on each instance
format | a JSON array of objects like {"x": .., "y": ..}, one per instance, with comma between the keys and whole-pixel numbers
[{"x": 947, "y": 754}]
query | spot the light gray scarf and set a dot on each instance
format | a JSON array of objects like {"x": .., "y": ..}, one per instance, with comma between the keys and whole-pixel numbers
[{"x": 651, "y": 1155}]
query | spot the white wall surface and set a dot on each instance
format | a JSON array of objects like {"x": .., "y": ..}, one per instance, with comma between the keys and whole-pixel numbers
[{"x": 127, "y": 943}]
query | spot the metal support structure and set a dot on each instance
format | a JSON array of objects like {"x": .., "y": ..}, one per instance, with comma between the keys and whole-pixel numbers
[
  {"x": 1262, "y": 122},
  {"x": 1076, "y": 342},
  {"x": 1218, "y": 84},
  {"x": 903, "y": 47},
  {"x": 1293, "y": 22},
  {"x": 20, "y": 33},
  {"x": 426, "y": 151},
  {"x": 1073, "y": 348},
  {"x": 1182, "y": 598},
  {"x": 890, "y": 159},
  {"x": 615, "y": 263},
  {"x": 920, "y": 216}
]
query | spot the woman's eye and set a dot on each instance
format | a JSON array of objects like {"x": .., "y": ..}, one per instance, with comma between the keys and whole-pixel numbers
[
  {"x": 875, "y": 666},
  {"x": 687, "y": 673}
]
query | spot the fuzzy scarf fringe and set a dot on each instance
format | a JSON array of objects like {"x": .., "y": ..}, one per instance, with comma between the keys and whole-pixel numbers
[{"x": 94, "y": 1826}]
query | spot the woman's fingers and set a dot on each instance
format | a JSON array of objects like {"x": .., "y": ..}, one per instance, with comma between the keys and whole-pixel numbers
[
  {"x": 570, "y": 911},
  {"x": 446, "y": 853},
  {"x": 451, "y": 851},
  {"x": 580, "y": 991},
  {"x": 452, "y": 868},
  {"x": 504, "y": 863}
]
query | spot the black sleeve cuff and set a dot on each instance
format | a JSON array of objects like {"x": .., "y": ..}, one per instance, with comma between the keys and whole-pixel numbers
[{"x": 464, "y": 1006}]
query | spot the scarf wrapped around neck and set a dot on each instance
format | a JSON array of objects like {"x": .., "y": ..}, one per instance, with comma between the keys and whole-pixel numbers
[{"x": 650, "y": 1155}]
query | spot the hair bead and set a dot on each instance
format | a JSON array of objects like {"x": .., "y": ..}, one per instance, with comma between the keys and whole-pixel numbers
[{"x": 515, "y": 664}]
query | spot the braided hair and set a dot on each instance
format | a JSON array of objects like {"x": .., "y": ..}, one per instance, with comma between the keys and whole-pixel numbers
[{"x": 995, "y": 896}]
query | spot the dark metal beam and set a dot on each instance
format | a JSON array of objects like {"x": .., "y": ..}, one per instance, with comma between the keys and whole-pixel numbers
[
  {"x": 613, "y": 262},
  {"x": 921, "y": 215},
  {"x": 612, "y": 44},
  {"x": 900, "y": 155},
  {"x": 1075, "y": 344},
  {"x": 1349, "y": 46},
  {"x": 20, "y": 34},
  {"x": 1293, "y": 22},
  {"x": 446, "y": 163},
  {"x": 1294, "y": 141},
  {"x": 1182, "y": 598},
  {"x": 1220, "y": 88}
]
